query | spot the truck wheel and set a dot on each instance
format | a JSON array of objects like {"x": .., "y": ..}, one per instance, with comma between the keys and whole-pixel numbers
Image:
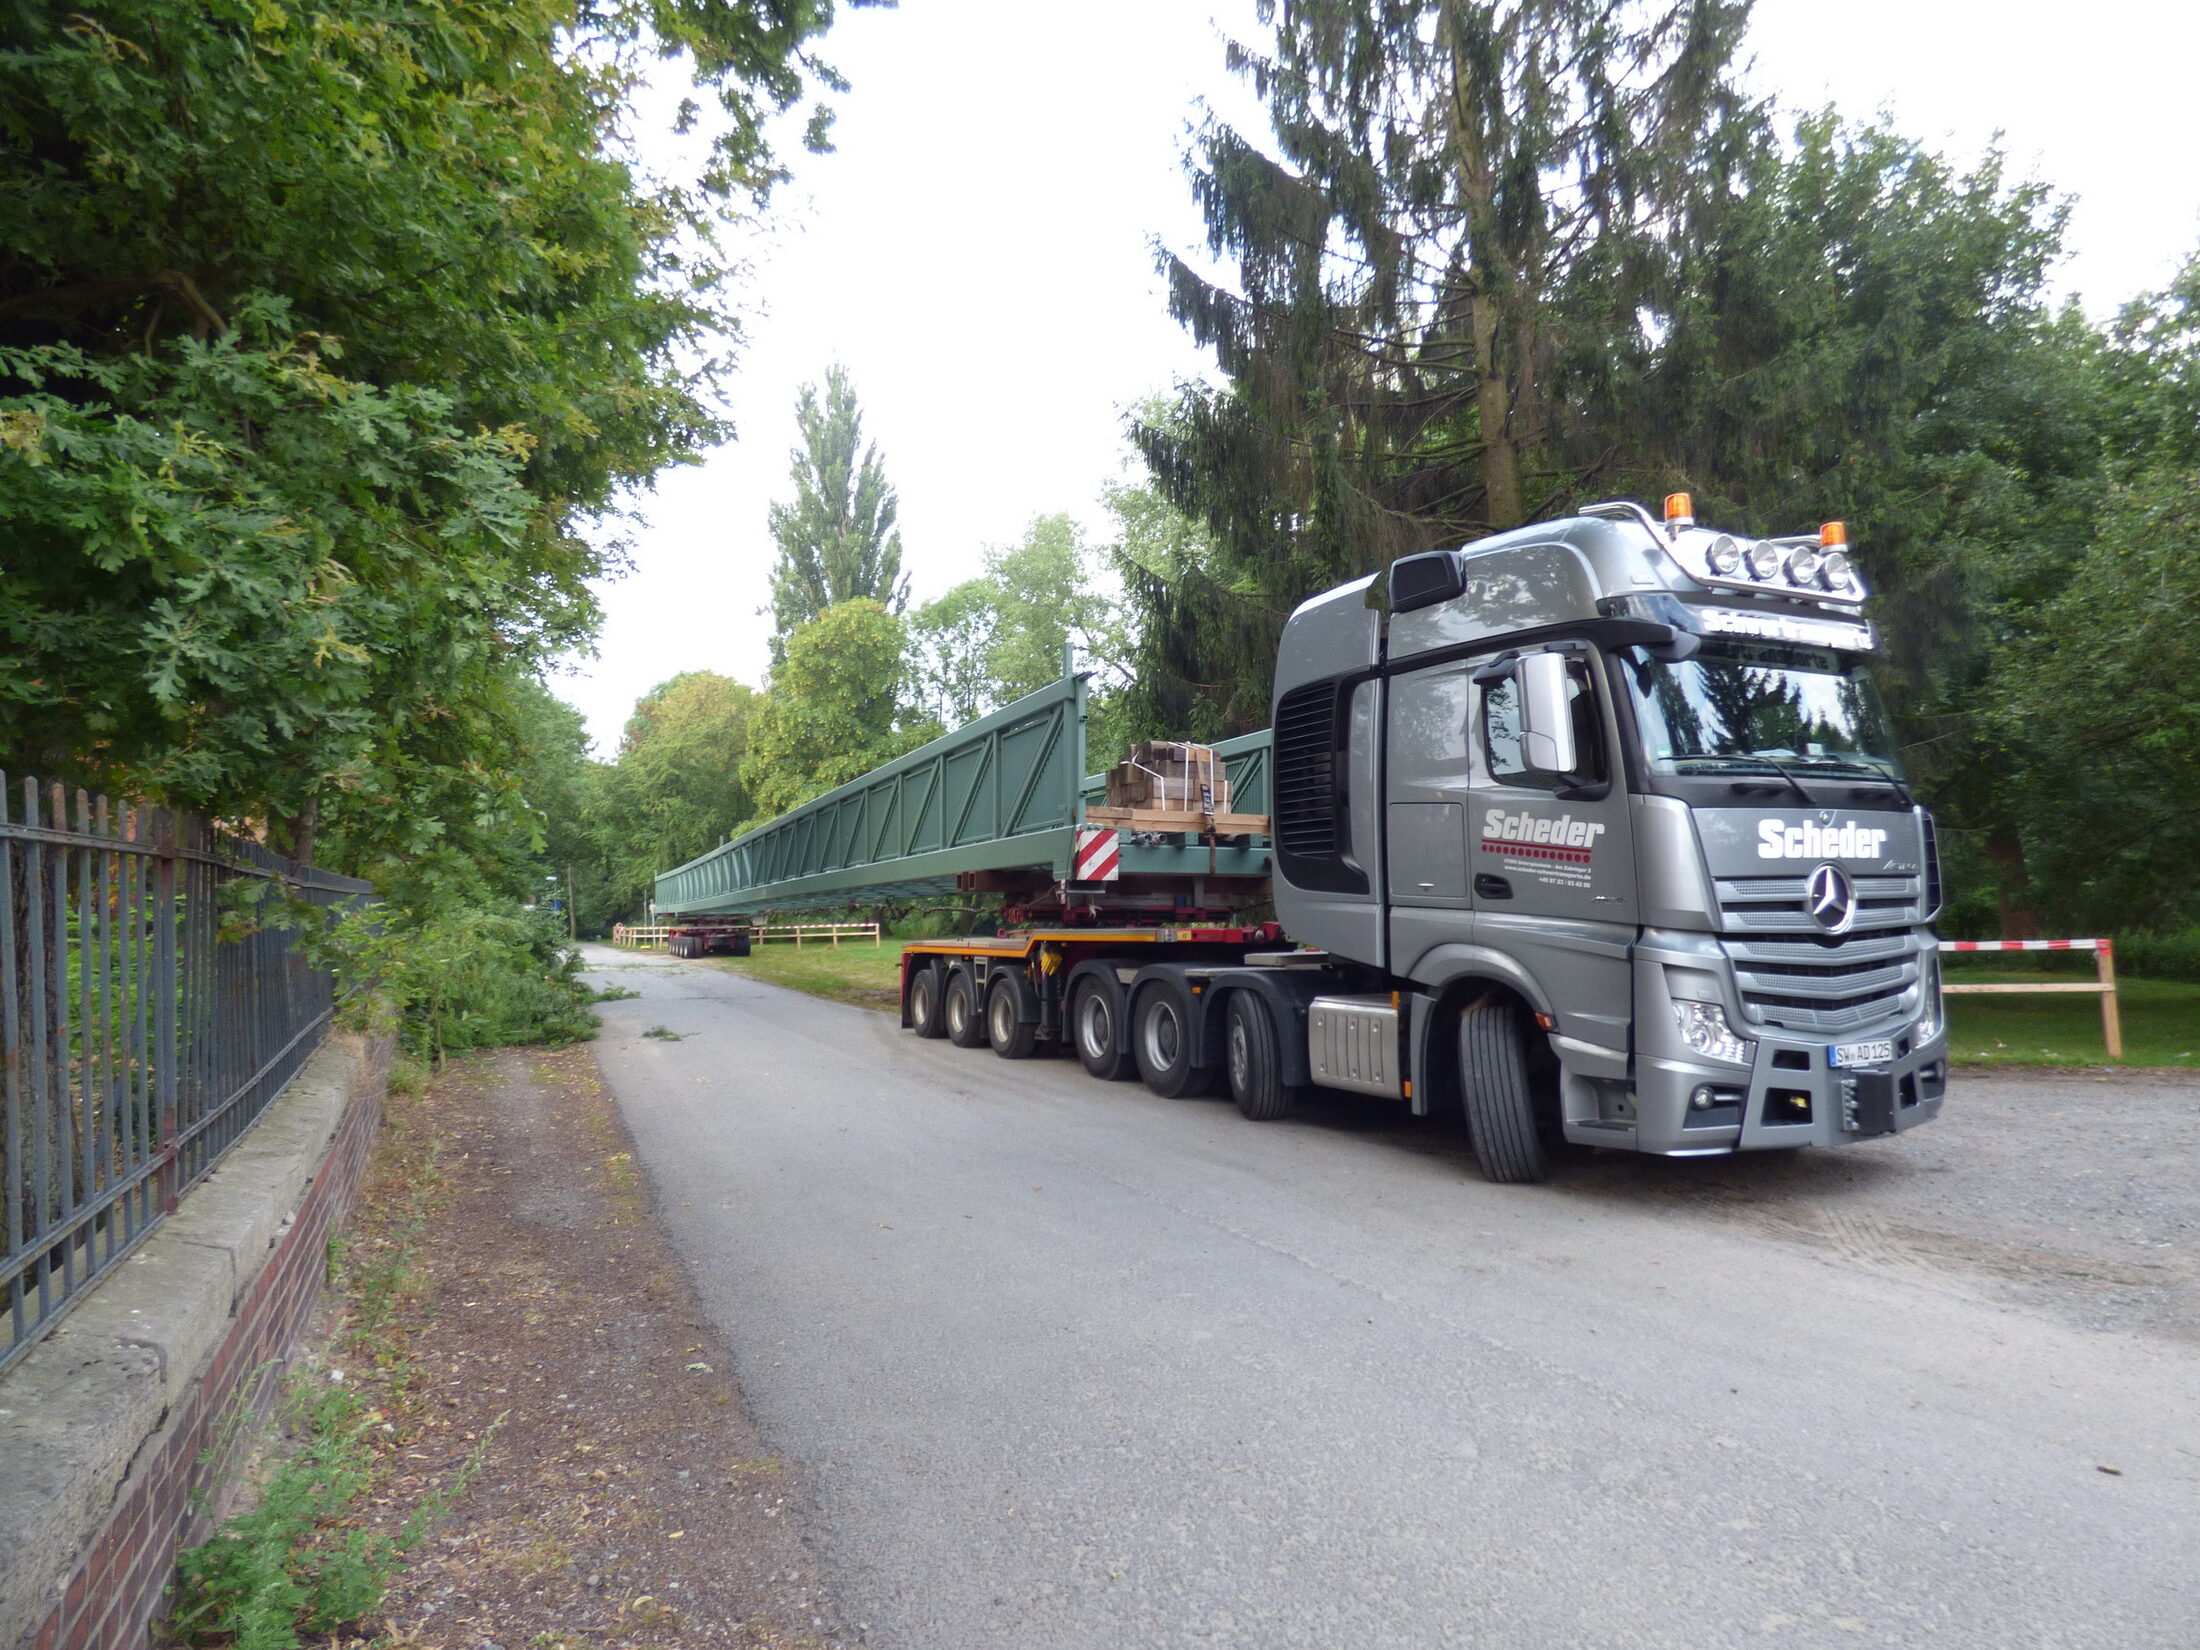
[
  {"x": 1493, "y": 1077},
  {"x": 1255, "y": 1062},
  {"x": 1162, "y": 1038},
  {"x": 1012, "y": 1038},
  {"x": 1095, "y": 1012},
  {"x": 740, "y": 946},
  {"x": 925, "y": 1018},
  {"x": 959, "y": 1008}
]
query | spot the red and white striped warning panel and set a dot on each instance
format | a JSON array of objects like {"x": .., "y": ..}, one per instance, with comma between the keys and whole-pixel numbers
[
  {"x": 2026, "y": 945},
  {"x": 1099, "y": 855}
]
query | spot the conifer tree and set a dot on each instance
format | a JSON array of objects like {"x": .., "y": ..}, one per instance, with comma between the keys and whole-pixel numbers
[
  {"x": 837, "y": 540},
  {"x": 1446, "y": 184}
]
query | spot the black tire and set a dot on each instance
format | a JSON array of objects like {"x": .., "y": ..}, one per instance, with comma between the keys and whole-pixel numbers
[
  {"x": 1500, "y": 1108},
  {"x": 740, "y": 946},
  {"x": 926, "y": 1018},
  {"x": 1253, "y": 1061},
  {"x": 1012, "y": 1037},
  {"x": 1163, "y": 1039},
  {"x": 960, "y": 1010},
  {"x": 1095, "y": 1030}
]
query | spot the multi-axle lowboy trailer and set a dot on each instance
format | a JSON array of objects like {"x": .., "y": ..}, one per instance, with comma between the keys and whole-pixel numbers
[{"x": 1593, "y": 831}]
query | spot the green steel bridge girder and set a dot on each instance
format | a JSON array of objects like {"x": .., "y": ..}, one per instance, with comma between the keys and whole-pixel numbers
[{"x": 1004, "y": 793}]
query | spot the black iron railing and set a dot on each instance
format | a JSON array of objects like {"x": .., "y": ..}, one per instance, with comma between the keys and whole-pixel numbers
[{"x": 147, "y": 1017}]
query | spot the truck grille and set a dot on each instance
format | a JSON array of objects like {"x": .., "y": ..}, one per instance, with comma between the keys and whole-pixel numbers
[
  {"x": 1796, "y": 978},
  {"x": 1781, "y": 904},
  {"x": 1824, "y": 987}
]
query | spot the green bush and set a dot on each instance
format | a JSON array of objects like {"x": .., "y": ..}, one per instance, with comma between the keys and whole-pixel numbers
[
  {"x": 2160, "y": 956},
  {"x": 467, "y": 978}
]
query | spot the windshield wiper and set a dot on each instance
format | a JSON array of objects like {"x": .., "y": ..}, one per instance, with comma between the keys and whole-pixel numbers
[
  {"x": 1794, "y": 784},
  {"x": 1870, "y": 773}
]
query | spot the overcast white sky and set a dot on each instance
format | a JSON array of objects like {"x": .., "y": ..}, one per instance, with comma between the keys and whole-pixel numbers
[{"x": 977, "y": 253}]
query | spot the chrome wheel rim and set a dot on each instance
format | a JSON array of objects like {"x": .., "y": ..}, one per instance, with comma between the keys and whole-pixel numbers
[
  {"x": 1096, "y": 1026},
  {"x": 1004, "y": 1017},
  {"x": 1164, "y": 1035},
  {"x": 1241, "y": 1055}
]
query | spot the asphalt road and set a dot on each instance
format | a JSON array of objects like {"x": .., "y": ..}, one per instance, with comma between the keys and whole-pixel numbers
[{"x": 1063, "y": 1366}]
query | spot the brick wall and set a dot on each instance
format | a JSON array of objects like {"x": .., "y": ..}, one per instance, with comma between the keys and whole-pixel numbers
[{"x": 122, "y": 1584}]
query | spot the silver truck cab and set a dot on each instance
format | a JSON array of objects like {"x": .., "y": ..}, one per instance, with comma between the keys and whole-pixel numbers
[{"x": 1628, "y": 782}]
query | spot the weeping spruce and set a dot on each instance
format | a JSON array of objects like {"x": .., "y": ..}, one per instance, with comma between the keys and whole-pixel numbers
[{"x": 1452, "y": 197}]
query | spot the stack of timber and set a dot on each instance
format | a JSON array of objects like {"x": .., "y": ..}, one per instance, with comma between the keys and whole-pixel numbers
[{"x": 1163, "y": 785}]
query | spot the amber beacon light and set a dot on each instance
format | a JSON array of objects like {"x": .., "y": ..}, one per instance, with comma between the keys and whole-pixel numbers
[
  {"x": 1680, "y": 511},
  {"x": 1834, "y": 535}
]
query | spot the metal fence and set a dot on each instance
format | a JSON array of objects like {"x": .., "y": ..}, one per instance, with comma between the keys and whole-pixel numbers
[{"x": 145, "y": 1022}]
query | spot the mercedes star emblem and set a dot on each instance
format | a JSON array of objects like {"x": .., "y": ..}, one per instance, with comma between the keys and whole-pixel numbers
[{"x": 1831, "y": 898}]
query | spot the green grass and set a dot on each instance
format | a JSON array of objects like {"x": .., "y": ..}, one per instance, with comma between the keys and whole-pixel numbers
[
  {"x": 2161, "y": 1022},
  {"x": 862, "y": 973}
]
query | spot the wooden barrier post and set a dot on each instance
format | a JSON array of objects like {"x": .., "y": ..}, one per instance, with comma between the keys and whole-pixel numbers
[
  {"x": 2104, "y": 979},
  {"x": 2112, "y": 1024}
]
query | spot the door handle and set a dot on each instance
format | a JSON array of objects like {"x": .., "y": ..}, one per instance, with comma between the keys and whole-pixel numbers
[{"x": 1489, "y": 887}]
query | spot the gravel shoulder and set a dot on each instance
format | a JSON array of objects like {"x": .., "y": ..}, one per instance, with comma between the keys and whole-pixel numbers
[{"x": 625, "y": 1498}]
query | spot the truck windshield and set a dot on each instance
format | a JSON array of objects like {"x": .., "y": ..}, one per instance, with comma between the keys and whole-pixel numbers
[{"x": 1761, "y": 707}]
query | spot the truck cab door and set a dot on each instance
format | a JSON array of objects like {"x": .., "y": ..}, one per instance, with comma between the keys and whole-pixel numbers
[
  {"x": 1429, "y": 772},
  {"x": 1550, "y": 856}
]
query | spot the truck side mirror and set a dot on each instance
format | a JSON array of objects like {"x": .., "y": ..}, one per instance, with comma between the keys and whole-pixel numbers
[{"x": 1546, "y": 714}]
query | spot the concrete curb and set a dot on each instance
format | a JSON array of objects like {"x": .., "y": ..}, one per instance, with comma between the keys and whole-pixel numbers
[{"x": 87, "y": 1408}]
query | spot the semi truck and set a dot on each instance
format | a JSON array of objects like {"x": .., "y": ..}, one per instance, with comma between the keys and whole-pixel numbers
[{"x": 1594, "y": 833}]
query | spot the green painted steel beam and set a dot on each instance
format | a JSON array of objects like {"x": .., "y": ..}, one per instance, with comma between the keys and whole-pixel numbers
[{"x": 1003, "y": 794}]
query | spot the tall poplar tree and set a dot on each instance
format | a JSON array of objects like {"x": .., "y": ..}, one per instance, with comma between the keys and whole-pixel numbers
[{"x": 837, "y": 540}]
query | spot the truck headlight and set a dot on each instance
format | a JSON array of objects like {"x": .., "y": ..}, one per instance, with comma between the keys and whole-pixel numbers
[
  {"x": 1928, "y": 1007},
  {"x": 1704, "y": 1029}
]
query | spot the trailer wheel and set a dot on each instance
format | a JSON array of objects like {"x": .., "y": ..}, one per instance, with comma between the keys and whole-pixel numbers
[
  {"x": 1012, "y": 1037},
  {"x": 1162, "y": 1036},
  {"x": 1493, "y": 1077},
  {"x": 1255, "y": 1063},
  {"x": 740, "y": 947},
  {"x": 1095, "y": 1018},
  {"x": 959, "y": 1008},
  {"x": 925, "y": 1018}
]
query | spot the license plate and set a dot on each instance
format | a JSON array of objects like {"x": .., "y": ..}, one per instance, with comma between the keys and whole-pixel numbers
[{"x": 1862, "y": 1054}]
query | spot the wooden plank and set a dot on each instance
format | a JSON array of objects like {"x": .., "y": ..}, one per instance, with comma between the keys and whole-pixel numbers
[
  {"x": 1958, "y": 990},
  {"x": 1170, "y": 819}
]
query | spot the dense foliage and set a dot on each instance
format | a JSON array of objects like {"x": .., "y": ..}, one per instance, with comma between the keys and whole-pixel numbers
[
  {"x": 1001, "y": 635},
  {"x": 324, "y": 329}
]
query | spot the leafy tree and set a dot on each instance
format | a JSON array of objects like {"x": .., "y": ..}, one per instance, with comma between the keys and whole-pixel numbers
[
  {"x": 321, "y": 328},
  {"x": 2085, "y": 717},
  {"x": 837, "y": 540},
  {"x": 999, "y": 636},
  {"x": 676, "y": 788},
  {"x": 833, "y": 710}
]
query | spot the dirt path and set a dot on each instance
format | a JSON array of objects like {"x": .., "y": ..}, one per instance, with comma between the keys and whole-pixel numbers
[{"x": 625, "y": 1499}]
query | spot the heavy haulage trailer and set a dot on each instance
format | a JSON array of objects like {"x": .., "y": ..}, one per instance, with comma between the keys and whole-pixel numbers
[{"x": 1594, "y": 831}]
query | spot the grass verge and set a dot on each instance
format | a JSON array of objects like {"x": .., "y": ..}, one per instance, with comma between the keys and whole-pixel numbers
[
  {"x": 865, "y": 974},
  {"x": 2161, "y": 1020},
  {"x": 298, "y": 1561}
]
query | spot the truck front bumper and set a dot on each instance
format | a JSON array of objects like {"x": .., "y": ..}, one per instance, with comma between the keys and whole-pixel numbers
[
  {"x": 1677, "y": 1102},
  {"x": 1791, "y": 1096}
]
